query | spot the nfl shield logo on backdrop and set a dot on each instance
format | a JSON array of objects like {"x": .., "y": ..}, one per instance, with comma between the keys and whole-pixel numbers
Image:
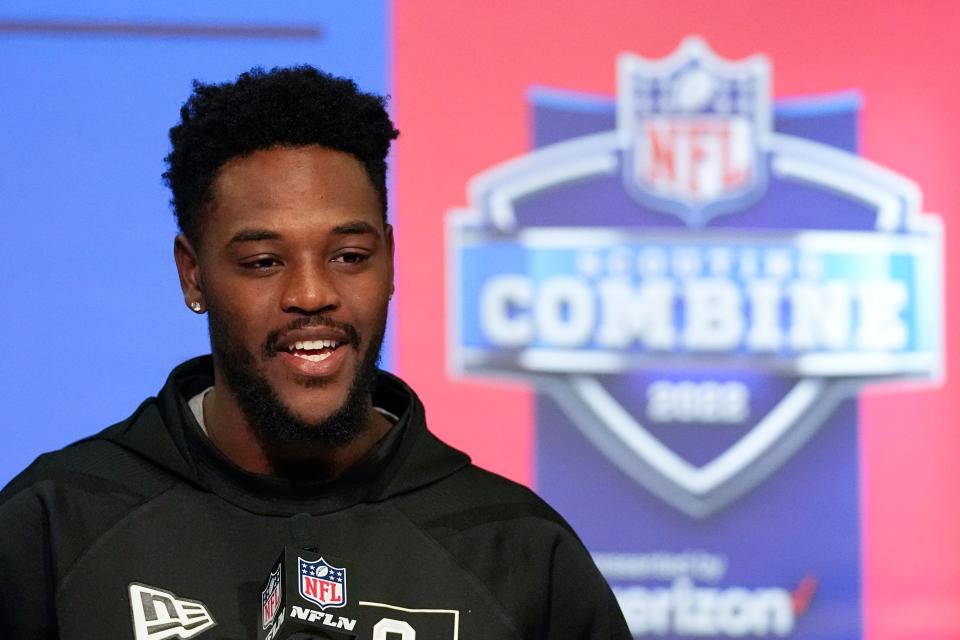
[
  {"x": 695, "y": 127},
  {"x": 322, "y": 583}
]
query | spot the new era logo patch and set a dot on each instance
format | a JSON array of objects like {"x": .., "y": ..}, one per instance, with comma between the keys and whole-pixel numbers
[{"x": 159, "y": 614}]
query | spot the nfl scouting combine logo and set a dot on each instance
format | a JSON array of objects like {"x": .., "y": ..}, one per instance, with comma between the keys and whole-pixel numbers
[
  {"x": 695, "y": 270},
  {"x": 322, "y": 583}
]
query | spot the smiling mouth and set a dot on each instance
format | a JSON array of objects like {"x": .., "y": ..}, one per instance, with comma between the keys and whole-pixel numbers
[{"x": 313, "y": 350}]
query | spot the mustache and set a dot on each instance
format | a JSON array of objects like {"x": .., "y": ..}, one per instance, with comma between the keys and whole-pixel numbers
[{"x": 270, "y": 345}]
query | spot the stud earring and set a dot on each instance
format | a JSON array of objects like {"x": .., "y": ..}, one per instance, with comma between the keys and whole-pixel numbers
[{"x": 196, "y": 306}]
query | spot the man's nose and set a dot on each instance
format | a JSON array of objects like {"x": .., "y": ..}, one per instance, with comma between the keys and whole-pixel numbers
[{"x": 308, "y": 289}]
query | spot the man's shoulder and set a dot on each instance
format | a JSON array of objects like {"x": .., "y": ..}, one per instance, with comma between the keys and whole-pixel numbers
[
  {"x": 474, "y": 497},
  {"x": 523, "y": 553},
  {"x": 93, "y": 465}
]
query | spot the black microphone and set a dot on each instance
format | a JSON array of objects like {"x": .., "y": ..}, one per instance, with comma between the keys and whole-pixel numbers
[{"x": 305, "y": 598}]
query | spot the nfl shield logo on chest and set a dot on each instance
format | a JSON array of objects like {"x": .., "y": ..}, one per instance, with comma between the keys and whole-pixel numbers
[{"x": 322, "y": 583}]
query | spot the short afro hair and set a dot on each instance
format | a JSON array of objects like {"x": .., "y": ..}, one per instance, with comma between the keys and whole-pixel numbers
[{"x": 294, "y": 106}]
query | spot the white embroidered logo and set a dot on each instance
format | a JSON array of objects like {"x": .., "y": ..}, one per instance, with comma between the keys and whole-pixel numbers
[{"x": 159, "y": 614}]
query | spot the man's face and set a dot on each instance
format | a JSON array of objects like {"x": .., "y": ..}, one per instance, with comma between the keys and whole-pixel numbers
[{"x": 296, "y": 269}]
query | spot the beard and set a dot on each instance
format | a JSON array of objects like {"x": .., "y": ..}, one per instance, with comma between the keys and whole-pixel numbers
[{"x": 273, "y": 422}]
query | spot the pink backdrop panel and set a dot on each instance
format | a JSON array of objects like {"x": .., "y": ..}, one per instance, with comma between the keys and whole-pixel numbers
[{"x": 461, "y": 72}]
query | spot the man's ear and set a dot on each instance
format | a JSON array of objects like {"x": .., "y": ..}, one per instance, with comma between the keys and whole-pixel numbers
[
  {"x": 388, "y": 236},
  {"x": 188, "y": 268}
]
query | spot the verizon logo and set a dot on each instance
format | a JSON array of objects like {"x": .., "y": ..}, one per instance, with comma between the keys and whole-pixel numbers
[{"x": 159, "y": 614}]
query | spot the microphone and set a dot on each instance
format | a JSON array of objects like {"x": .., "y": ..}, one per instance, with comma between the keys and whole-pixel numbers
[{"x": 304, "y": 598}]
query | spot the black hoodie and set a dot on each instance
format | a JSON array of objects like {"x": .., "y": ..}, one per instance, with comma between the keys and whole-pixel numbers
[{"x": 92, "y": 537}]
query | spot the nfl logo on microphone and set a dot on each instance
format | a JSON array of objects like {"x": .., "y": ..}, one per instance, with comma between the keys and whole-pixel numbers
[
  {"x": 271, "y": 597},
  {"x": 322, "y": 583}
]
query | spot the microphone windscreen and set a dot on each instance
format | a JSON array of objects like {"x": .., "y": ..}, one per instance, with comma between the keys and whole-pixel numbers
[{"x": 305, "y": 597}]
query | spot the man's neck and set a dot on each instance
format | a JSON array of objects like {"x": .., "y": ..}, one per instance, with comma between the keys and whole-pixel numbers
[{"x": 234, "y": 436}]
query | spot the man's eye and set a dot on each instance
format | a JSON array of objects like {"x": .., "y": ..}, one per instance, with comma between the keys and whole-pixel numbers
[
  {"x": 351, "y": 257},
  {"x": 261, "y": 263}
]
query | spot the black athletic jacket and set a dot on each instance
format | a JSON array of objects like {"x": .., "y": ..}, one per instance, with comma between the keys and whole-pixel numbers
[{"x": 146, "y": 531}]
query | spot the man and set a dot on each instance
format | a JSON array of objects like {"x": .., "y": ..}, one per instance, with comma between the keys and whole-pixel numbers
[{"x": 167, "y": 524}]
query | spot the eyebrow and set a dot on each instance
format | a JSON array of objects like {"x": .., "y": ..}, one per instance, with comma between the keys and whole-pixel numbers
[
  {"x": 255, "y": 235},
  {"x": 252, "y": 235},
  {"x": 355, "y": 228}
]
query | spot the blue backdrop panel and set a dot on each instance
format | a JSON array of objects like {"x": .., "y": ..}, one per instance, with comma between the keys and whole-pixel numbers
[{"x": 93, "y": 314}]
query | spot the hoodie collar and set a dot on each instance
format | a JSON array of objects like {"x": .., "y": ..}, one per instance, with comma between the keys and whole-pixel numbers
[{"x": 165, "y": 431}]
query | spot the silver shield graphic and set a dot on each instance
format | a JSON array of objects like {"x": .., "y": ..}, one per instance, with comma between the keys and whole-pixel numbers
[{"x": 525, "y": 300}]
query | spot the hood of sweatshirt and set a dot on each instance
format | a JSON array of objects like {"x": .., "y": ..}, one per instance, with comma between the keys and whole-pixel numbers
[{"x": 164, "y": 431}]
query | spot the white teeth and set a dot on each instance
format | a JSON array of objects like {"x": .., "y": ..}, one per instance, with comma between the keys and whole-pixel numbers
[
  {"x": 319, "y": 357},
  {"x": 313, "y": 345}
]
